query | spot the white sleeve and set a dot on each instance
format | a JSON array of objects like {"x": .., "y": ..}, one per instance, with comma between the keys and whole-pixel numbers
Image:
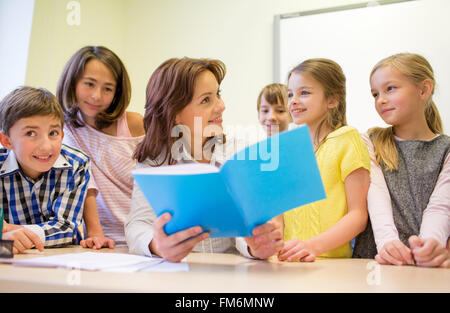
[
  {"x": 38, "y": 230},
  {"x": 242, "y": 247},
  {"x": 436, "y": 217},
  {"x": 139, "y": 224},
  {"x": 379, "y": 202}
]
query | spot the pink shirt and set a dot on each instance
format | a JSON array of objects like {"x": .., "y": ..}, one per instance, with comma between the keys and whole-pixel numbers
[
  {"x": 436, "y": 217},
  {"x": 111, "y": 166}
]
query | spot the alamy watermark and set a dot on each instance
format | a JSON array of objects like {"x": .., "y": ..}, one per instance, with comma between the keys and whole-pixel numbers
[
  {"x": 238, "y": 137},
  {"x": 73, "y": 278},
  {"x": 374, "y": 276},
  {"x": 74, "y": 16}
]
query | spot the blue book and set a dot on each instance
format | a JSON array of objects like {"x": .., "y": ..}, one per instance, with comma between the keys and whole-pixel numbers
[{"x": 258, "y": 183}]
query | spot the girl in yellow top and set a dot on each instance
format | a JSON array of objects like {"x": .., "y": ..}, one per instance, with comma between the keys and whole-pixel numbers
[{"x": 316, "y": 91}]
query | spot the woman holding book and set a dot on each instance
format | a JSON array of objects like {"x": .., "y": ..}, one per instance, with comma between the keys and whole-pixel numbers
[{"x": 183, "y": 124}]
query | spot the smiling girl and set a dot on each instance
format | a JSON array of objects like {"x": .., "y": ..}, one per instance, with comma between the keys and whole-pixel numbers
[
  {"x": 94, "y": 91},
  {"x": 409, "y": 195},
  {"x": 316, "y": 91}
]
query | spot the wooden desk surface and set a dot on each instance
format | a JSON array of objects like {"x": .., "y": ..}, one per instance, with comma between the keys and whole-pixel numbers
[{"x": 227, "y": 273}]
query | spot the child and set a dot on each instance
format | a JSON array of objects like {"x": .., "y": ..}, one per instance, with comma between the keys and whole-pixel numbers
[
  {"x": 316, "y": 90},
  {"x": 409, "y": 194},
  {"x": 94, "y": 91},
  {"x": 273, "y": 113},
  {"x": 183, "y": 95},
  {"x": 43, "y": 182}
]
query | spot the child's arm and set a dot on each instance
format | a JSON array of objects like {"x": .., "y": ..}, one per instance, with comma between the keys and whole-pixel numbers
[
  {"x": 379, "y": 202},
  {"x": 390, "y": 249},
  {"x": 350, "y": 225},
  {"x": 95, "y": 238},
  {"x": 436, "y": 217}
]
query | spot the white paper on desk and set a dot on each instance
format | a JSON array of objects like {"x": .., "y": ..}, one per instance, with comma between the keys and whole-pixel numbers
[{"x": 95, "y": 261}]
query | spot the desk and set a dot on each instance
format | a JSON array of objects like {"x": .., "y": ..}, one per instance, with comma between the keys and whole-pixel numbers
[{"x": 227, "y": 273}]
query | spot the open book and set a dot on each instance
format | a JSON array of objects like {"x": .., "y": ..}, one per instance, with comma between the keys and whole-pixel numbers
[{"x": 256, "y": 184}]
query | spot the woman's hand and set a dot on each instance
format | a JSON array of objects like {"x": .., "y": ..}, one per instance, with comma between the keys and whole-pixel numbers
[
  {"x": 177, "y": 246},
  {"x": 267, "y": 239}
]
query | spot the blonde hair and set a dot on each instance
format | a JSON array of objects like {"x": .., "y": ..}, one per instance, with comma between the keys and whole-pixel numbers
[
  {"x": 330, "y": 75},
  {"x": 274, "y": 94},
  {"x": 418, "y": 69}
]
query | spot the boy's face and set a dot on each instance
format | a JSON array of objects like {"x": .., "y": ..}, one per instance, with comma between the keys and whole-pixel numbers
[
  {"x": 273, "y": 117},
  {"x": 36, "y": 142}
]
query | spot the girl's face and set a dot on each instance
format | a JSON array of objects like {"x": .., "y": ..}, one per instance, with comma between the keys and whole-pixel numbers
[
  {"x": 95, "y": 90},
  {"x": 397, "y": 99},
  {"x": 307, "y": 102},
  {"x": 274, "y": 117},
  {"x": 204, "y": 112}
]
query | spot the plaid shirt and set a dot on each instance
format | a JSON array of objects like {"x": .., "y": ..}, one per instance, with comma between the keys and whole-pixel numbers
[{"x": 52, "y": 206}]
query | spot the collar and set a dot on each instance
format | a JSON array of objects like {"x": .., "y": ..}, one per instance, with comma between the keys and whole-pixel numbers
[
  {"x": 216, "y": 157},
  {"x": 10, "y": 165}
]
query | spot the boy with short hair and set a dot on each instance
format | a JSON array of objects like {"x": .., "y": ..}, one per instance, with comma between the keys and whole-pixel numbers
[
  {"x": 273, "y": 111},
  {"x": 43, "y": 183}
]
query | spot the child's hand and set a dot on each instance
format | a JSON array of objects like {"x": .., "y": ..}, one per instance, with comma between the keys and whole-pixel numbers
[
  {"x": 24, "y": 238},
  {"x": 296, "y": 249},
  {"x": 396, "y": 253},
  {"x": 429, "y": 252},
  {"x": 176, "y": 246},
  {"x": 266, "y": 241},
  {"x": 97, "y": 242}
]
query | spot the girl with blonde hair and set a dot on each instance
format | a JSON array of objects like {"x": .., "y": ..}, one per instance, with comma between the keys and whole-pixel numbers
[{"x": 408, "y": 200}]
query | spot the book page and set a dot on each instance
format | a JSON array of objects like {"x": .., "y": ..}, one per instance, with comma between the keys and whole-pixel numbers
[
  {"x": 178, "y": 169},
  {"x": 96, "y": 261}
]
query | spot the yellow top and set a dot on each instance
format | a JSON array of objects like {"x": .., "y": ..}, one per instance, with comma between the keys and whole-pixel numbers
[{"x": 342, "y": 152}]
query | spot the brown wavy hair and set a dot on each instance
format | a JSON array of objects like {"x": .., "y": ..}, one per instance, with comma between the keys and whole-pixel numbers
[
  {"x": 74, "y": 69},
  {"x": 169, "y": 90},
  {"x": 416, "y": 68}
]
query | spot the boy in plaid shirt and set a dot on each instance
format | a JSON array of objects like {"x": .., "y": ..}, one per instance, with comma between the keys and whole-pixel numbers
[{"x": 42, "y": 182}]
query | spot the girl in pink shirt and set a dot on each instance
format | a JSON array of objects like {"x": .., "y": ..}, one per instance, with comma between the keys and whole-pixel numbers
[
  {"x": 94, "y": 91},
  {"x": 409, "y": 195}
]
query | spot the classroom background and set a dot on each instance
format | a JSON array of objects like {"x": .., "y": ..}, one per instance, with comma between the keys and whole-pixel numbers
[
  {"x": 36, "y": 43},
  {"x": 37, "y": 37}
]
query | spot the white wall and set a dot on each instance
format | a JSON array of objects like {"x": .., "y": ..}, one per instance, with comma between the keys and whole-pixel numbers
[
  {"x": 16, "y": 17},
  {"x": 363, "y": 36},
  {"x": 238, "y": 32},
  {"x": 144, "y": 33}
]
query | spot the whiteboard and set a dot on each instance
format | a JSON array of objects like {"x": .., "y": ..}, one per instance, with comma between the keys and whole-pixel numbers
[{"x": 357, "y": 38}]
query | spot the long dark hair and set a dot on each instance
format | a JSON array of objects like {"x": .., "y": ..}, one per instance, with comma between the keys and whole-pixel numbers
[
  {"x": 170, "y": 89},
  {"x": 74, "y": 69}
]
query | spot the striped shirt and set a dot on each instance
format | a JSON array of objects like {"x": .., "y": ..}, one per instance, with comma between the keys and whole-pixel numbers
[
  {"x": 51, "y": 206},
  {"x": 112, "y": 162}
]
